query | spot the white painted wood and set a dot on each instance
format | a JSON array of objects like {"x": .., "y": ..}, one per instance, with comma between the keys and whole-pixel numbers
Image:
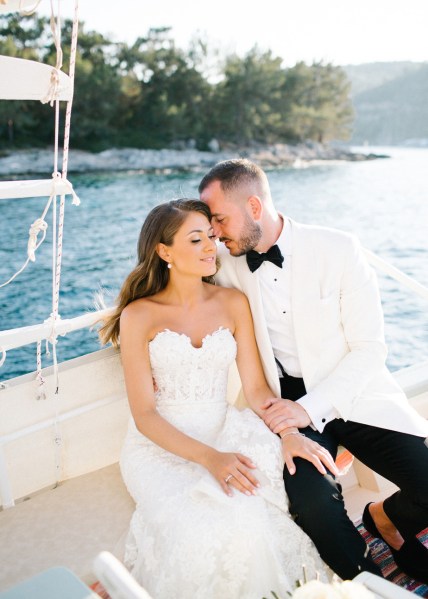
[
  {"x": 89, "y": 440},
  {"x": 36, "y": 188},
  {"x": 12, "y": 338},
  {"x": 22, "y": 79}
]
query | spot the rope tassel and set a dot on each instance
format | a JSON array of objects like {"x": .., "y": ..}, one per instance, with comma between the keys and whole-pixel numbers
[
  {"x": 38, "y": 225},
  {"x": 52, "y": 93}
]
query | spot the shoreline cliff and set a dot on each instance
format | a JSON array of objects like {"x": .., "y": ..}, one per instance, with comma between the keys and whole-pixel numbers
[{"x": 39, "y": 161}]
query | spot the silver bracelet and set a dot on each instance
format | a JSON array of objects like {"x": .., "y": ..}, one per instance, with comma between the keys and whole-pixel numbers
[{"x": 292, "y": 433}]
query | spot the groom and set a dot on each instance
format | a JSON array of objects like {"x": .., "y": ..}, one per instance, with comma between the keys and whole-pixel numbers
[{"x": 319, "y": 327}]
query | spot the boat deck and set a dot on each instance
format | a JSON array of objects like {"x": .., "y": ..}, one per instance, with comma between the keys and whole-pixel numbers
[
  {"x": 71, "y": 524},
  {"x": 87, "y": 513},
  {"x": 65, "y": 526}
]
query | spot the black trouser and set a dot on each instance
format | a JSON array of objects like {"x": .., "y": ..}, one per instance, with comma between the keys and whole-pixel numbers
[{"x": 316, "y": 501}]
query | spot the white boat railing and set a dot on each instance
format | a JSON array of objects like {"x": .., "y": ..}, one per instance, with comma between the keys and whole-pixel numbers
[
  {"x": 396, "y": 274},
  {"x": 14, "y": 338},
  {"x": 18, "y": 337}
]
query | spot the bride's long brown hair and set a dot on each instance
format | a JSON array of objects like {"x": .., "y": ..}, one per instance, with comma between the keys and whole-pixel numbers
[{"x": 151, "y": 274}]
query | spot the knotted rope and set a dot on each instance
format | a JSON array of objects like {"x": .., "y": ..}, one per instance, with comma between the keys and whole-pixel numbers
[
  {"x": 52, "y": 93},
  {"x": 40, "y": 225},
  {"x": 26, "y": 12}
]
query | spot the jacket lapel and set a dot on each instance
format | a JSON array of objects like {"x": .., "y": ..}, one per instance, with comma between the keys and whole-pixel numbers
[{"x": 305, "y": 298}]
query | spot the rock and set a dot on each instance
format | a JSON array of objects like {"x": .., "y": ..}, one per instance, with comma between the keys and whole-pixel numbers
[
  {"x": 40, "y": 161},
  {"x": 213, "y": 145}
]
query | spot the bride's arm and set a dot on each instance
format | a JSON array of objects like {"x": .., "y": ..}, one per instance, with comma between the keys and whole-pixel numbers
[
  {"x": 258, "y": 394},
  {"x": 256, "y": 390},
  {"x": 134, "y": 339}
]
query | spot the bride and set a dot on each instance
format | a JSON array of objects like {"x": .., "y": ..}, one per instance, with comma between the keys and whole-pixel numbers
[{"x": 211, "y": 512}]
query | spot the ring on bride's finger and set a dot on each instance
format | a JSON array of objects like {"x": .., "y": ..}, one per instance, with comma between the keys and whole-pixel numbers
[{"x": 228, "y": 477}]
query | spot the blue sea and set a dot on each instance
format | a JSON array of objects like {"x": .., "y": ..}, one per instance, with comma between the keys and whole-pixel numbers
[{"x": 383, "y": 201}]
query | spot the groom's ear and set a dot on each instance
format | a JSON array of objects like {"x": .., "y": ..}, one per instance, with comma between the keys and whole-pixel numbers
[{"x": 255, "y": 206}]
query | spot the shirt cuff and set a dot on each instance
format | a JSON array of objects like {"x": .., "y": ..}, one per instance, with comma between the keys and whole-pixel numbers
[{"x": 320, "y": 411}]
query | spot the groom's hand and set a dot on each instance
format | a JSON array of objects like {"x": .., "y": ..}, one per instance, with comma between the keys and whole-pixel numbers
[
  {"x": 299, "y": 446},
  {"x": 279, "y": 414}
]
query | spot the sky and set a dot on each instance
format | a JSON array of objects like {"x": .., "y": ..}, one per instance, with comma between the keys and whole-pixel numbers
[{"x": 338, "y": 31}]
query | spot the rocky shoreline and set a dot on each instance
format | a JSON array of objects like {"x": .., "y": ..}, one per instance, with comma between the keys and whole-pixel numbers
[{"x": 40, "y": 161}]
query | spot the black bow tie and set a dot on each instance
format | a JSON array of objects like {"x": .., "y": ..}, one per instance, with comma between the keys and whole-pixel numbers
[{"x": 254, "y": 259}]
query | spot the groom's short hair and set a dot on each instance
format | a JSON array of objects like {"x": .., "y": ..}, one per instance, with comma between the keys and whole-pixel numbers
[{"x": 234, "y": 173}]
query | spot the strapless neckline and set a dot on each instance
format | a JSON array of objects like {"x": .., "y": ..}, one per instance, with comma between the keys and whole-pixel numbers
[{"x": 167, "y": 331}]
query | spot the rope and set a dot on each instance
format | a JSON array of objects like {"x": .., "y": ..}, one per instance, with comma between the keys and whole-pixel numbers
[
  {"x": 32, "y": 246},
  {"x": 53, "y": 335},
  {"x": 41, "y": 225},
  {"x": 36, "y": 227},
  {"x": 58, "y": 243},
  {"x": 26, "y": 12},
  {"x": 76, "y": 200},
  {"x": 73, "y": 51},
  {"x": 40, "y": 393},
  {"x": 56, "y": 256},
  {"x": 56, "y": 271},
  {"x": 52, "y": 93}
]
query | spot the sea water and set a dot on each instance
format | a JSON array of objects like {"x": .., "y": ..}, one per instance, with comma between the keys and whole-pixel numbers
[{"x": 384, "y": 202}]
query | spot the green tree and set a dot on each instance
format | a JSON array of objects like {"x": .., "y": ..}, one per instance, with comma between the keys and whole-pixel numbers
[
  {"x": 317, "y": 103},
  {"x": 23, "y": 37},
  {"x": 247, "y": 101},
  {"x": 97, "y": 85},
  {"x": 153, "y": 94},
  {"x": 98, "y": 96},
  {"x": 167, "y": 92}
]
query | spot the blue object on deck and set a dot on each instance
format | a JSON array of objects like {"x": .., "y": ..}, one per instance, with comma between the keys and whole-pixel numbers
[{"x": 50, "y": 584}]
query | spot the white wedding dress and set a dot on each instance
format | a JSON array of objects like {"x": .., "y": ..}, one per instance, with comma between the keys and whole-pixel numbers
[{"x": 187, "y": 538}]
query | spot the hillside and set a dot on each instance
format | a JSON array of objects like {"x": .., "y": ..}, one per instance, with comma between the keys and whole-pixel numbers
[{"x": 390, "y": 102}]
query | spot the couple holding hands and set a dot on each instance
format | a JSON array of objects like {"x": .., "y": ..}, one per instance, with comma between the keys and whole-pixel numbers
[{"x": 298, "y": 308}]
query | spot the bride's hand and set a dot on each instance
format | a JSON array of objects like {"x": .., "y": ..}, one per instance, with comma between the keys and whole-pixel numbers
[{"x": 232, "y": 470}]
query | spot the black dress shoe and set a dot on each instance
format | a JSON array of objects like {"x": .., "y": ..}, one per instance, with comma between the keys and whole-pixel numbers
[{"x": 412, "y": 557}]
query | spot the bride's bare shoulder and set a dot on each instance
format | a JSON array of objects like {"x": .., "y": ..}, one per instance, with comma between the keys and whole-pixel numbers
[
  {"x": 229, "y": 294},
  {"x": 139, "y": 312}
]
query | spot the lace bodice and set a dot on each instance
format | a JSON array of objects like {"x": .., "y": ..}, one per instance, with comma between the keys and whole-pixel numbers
[{"x": 185, "y": 374}]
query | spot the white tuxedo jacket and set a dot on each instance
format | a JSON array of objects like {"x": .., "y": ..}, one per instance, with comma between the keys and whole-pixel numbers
[{"x": 338, "y": 324}]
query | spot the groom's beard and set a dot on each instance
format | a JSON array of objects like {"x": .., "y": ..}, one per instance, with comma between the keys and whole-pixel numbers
[{"x": 250, "y": 236}]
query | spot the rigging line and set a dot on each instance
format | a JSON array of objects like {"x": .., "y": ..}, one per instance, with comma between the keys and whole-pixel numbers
[
  {"x": 73, "y": 51},
  {"x": 59, "y": 245},
  {"x": 52, "y": 92},
  {"x": 57, "y": 235},
  {"x": 33, "y": 246},
  {"x": 28, "y": 12},
  {"x": 40, "y": 393},
  {"x": 53, "y": 341}
]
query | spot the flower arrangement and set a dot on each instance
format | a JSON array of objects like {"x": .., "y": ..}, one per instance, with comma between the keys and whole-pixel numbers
[
  {"x": 336, "y": 589},
  {"x": 347, "y": 589}
]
